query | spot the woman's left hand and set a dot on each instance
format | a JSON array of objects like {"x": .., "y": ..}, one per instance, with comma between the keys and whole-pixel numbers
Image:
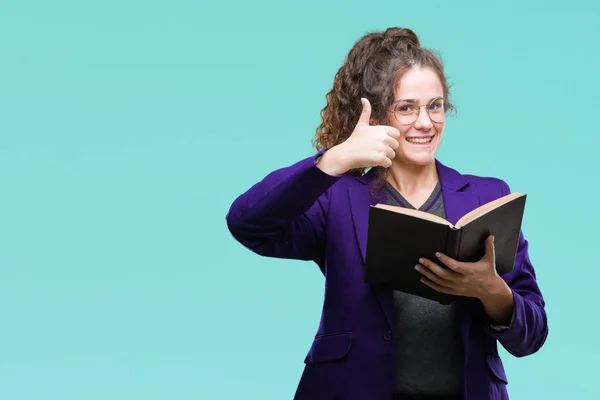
[{"x": 475, "y": 279}]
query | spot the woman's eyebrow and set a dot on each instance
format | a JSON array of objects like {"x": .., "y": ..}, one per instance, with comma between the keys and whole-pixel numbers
[{"x": 415, "y": 101}]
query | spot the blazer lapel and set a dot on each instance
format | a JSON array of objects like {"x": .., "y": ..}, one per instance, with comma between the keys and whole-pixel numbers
[
  {"x": 459, "y": 196},
  {"x": 361, "y": 199}
]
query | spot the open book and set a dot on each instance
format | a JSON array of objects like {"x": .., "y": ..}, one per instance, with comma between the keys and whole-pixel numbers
[{"x": 399, "y": 236}]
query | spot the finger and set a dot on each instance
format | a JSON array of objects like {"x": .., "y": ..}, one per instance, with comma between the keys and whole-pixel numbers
[
  {"x": 365, "y": 115},
  {"x": 436, "y": 287},
  {"x": 490, "y": 249},
  {"x": 389, "y": 131},
  {"x": 390, "y": 153},
  {"x": 444, "y": 273},
  {"x": 451, "y": 263},
  {"x": 433, "y": 277},
  {"x": 393, "y": 143},
  {"x": 393, "y": 132},
  {"x": 386, "y": 162}
]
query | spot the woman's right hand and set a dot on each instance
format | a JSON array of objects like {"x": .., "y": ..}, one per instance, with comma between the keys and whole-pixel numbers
[{"x": 367, "y": 146}]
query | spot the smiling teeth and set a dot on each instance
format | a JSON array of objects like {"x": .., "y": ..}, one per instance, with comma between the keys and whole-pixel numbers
[{"x": 419, "y": 140}]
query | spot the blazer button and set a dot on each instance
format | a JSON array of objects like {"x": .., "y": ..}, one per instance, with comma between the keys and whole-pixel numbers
[{"x": 387, "y": 335}]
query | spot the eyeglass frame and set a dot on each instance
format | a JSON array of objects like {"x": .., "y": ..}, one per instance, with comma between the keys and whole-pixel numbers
[{"x": 419, "y": 110}]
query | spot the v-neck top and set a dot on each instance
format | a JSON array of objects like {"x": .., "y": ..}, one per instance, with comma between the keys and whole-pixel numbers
[{"x": 434, "y": 204}]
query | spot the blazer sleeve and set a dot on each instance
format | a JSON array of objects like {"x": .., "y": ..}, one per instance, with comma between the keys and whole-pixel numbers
[
  {"x": 284, "y": 215},
  {"x": 528, "y": 329}
]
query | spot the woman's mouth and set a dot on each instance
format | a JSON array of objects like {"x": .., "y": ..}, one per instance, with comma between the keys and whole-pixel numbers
[{"x": 419, "y": 140}]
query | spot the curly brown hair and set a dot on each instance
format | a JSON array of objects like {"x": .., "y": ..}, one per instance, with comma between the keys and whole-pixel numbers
[{"x": 372, "y": 69}]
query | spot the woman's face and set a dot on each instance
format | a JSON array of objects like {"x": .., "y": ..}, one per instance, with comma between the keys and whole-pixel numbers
[{"x": 419, "y": 140}]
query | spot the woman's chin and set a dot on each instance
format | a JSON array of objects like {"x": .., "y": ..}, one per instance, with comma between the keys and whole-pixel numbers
[
  {"x": 423, "y": 161},
  {"x": 420, "y": 159}
]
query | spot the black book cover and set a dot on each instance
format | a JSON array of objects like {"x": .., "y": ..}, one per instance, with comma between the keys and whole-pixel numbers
[{"x": 398, "y": 237}]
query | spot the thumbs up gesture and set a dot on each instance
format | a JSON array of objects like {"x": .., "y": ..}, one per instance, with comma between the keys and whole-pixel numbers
[{"x": 368, "y": 146}]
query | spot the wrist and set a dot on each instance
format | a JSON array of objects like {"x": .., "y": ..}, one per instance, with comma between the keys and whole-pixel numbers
[
  {"x": 497, "y": 289},
  {"x": 333, "y": 162},
  {"x": 498, "y": 301}
]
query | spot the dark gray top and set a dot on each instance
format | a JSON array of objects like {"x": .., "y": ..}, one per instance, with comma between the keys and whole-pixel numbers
[{"x": 427, "y": 342}]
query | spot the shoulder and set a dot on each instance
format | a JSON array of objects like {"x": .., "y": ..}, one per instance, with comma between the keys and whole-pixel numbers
[
  {"x": 489, "y": 184},
  {"x": 486, "y": 186}
]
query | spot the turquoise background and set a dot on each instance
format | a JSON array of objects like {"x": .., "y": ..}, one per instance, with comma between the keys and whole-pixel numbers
[{"x": 127, "y": 128}]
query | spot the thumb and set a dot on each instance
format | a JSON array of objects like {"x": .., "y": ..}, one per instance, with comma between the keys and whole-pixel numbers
[
  {"x": 490, "y": 249},
  {"x": 365, "y": 116}
]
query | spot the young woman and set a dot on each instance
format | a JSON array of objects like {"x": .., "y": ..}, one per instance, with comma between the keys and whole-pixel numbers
[{"x": 381, "y": 128}]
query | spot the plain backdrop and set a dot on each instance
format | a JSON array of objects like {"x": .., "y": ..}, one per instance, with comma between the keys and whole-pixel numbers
[{"x": 128, "y": 127}]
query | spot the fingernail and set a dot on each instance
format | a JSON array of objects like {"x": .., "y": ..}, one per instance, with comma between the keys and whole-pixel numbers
[
  {"x": 438, "y": 255},
  {"x": 417, "y": 267},
  {"x": 421, "y": 260}
]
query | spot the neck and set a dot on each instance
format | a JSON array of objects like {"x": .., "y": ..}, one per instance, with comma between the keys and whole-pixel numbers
[{"x": 409, "y": 179}]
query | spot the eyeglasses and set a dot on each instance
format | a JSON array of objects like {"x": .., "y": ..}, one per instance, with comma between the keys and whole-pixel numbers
[{"x": 407, "y": 111}]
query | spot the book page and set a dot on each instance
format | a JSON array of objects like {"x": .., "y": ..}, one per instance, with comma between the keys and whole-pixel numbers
[
  {"x": 484, "y": 209},
  {"x": 415, "y": 213}
]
